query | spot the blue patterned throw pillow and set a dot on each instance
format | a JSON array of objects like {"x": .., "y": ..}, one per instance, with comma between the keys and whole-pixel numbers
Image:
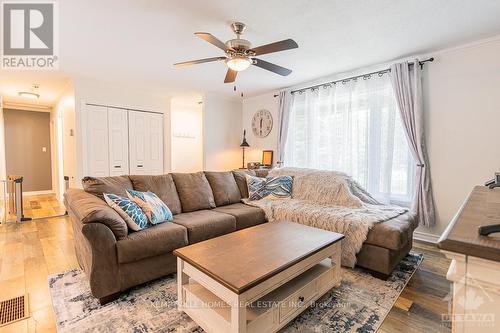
[
  {"x": 154, "y": 208},
  {"x": 131, "y": 212},
  {"x": 270, "y": 187}
]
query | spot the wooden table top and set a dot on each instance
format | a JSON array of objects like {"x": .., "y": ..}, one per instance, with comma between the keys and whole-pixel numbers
[
  {"x": 482, "y": 207},
  {"x": 245, "y": 258}
]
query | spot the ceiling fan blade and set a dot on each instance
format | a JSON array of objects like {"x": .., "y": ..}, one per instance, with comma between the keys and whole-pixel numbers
[
  {"x": 272, "y": 67},
  {"x": 199, "y": 61},
  {"x": 283, "y": 45},
  {"x": 212, "y": 40},
  {"x": 230, "y": 76}
]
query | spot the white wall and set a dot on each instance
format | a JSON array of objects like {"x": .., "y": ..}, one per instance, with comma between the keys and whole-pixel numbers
[
  {"x": 187, "y": 134},
  {"x": 462, "y": 110},
  {"x": 89, "y": 91},
  {"x": 462, "y": 103},
  {"x": 66, "y": 110},
  {"x": 222, "y": 133},
  {"x": 257, "y": 145}
]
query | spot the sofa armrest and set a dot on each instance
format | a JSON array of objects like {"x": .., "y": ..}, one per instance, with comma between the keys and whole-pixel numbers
[
  {"x": 88, "y": 208},
  {"x": 97, "y": 244}
]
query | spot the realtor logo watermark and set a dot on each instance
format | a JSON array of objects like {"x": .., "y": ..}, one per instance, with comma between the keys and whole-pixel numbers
[{"x": 29, "y": 35}]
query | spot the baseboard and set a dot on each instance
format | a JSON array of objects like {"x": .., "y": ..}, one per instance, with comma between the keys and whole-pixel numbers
[
  {"x": 425, "y": 237},
  {"x": 28, "y": 193}
]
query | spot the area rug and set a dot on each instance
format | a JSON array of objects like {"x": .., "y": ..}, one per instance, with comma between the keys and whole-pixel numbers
[{"x": 360, "y": 304}]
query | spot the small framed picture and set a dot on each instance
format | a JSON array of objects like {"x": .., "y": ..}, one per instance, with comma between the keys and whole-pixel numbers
[{"x": 267, "y": 157}]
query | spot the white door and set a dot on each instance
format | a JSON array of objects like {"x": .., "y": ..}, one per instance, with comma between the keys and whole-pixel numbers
[
  {"x": 138, "y": 147},
  {"x": 118, "y": 142},
  {"x": 97, "y": 141},
  {"x": 155, "y": 143},
  {"x": 145, "y": 143}
]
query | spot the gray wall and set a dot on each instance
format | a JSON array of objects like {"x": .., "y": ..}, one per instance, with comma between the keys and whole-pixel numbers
[{"x": 26, "y": 133}]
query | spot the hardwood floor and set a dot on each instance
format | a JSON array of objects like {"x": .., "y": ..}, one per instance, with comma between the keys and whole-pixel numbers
[
  {"x": 40, "y": 206},
  {"x": 422, "y": 303},
  {"x": 29, "y": 253},
  {"x": 32, "y": 251}
]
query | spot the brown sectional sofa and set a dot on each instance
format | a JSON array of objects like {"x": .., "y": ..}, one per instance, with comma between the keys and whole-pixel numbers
[{"x": 205, "y": 205}]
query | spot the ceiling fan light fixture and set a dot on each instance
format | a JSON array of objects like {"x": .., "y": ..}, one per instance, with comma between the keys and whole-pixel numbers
[{"x": 238, "y": 63}]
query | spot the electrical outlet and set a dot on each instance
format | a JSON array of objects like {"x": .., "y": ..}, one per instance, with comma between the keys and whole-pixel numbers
[{"x": 44, "y": 149}]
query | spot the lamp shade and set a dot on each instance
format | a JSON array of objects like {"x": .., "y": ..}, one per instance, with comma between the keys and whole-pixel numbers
[{"x": 244, "y": 143}]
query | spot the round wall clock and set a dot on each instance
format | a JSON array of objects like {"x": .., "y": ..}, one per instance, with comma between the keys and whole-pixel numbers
[{"x": 262, "y": 123}]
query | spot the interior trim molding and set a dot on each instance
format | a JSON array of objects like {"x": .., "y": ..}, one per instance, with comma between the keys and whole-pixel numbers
[
  {"x": 425, "y": 237},
  {"x": 26, "y": 107}
]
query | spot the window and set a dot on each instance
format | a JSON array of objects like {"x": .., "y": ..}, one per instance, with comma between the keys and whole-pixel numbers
[{"x": 354, "y": 127}]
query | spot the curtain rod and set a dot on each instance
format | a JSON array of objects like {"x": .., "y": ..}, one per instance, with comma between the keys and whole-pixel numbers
[{"x": 381, "y": 72}]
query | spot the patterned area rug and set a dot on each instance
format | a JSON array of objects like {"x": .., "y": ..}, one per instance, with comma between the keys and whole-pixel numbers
[{"x": 360, "y": 304}]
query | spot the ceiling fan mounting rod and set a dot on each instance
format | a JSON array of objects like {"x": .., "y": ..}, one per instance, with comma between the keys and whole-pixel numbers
[{"x": 238, "y": 28}]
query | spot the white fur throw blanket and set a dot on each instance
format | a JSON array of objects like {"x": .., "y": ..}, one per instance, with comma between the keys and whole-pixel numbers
[{"x": 331, "y": 201}]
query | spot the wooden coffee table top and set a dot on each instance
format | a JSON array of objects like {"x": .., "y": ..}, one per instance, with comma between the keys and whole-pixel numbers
[{"x": 245, "y": 258}]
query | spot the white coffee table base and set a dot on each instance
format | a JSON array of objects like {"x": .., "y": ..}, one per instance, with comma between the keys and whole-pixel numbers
[{"x": 267, "y": 306}]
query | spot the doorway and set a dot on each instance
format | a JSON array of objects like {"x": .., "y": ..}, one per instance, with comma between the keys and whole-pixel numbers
[{"x": 28, "y": 154}]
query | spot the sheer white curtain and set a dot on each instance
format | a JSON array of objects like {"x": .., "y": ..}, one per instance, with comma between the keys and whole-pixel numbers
[{"x": 354, "y": 127}]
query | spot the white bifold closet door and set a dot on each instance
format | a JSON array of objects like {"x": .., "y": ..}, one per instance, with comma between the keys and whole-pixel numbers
[
  {"x": 97, "y": 141},
  {"x": 145, "y": 143},
  {"x": 118, "y": 142}
]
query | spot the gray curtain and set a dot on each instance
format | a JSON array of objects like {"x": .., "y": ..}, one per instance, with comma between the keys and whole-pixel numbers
[
  {"x": 285, "y": 100},
  {"x": 407, "y": 86}
]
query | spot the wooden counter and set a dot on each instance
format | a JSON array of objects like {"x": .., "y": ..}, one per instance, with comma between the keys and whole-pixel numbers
[
  {"x": 475, "y": 266},
  {"x": 482, "y": 207}
]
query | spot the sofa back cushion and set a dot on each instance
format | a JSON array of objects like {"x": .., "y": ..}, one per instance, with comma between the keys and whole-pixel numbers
[
  {"x": 88, "y": 208},
  {"x": 194, "y": 191},
  {"x": 241, "y": 181},
  {"x": 163, "y": 186},
  {"x": 224, "y": 187},
  {"x": 117, "y": 185}
]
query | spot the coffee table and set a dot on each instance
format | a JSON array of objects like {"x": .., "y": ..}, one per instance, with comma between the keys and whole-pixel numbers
[{"x": 257, "y": 279}]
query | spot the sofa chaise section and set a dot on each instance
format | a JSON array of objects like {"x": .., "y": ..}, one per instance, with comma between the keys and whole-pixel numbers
[{"x": 387, "y": 243}]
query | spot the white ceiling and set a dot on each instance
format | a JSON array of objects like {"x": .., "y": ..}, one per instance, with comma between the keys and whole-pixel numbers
[
  {"x": 136, "y": 42},
  {"x": 51, "y": 86}
]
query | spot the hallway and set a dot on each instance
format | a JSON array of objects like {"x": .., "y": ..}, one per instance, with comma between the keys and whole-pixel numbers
[{"x": 40, "y": 206}]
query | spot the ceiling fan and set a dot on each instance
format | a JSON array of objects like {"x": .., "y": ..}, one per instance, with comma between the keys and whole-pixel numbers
[{"x": 239, "y": 54}]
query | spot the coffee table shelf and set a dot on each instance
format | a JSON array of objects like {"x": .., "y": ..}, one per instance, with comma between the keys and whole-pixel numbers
[{"x": 268, "y": 313}]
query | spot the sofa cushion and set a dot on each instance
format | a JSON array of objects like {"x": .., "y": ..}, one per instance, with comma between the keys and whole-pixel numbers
[
  {"x": 241, "y": 180},
  {"x": 159, "y": 239},
  {"x": 163, "y": 186},
  {"x": 271, "y": 187},
  {"x": 205, "y": 224},
  {"x": 246, "y": 216},
  {"x": 154, "y": 208},
  {"x": 88, "y": 208},
  {"x": 115, "y": 185},
  {"x": 130, "y": 211},
  {"x": 224, "y": 187},
  {"x": 393, "y": 234},
  {"x": 194, "y": 191}
]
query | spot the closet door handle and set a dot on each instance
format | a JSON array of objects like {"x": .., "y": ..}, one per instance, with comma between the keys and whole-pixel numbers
[
  {"x": 118, "y": 166},
  {"x": 139, "y": 165}
]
